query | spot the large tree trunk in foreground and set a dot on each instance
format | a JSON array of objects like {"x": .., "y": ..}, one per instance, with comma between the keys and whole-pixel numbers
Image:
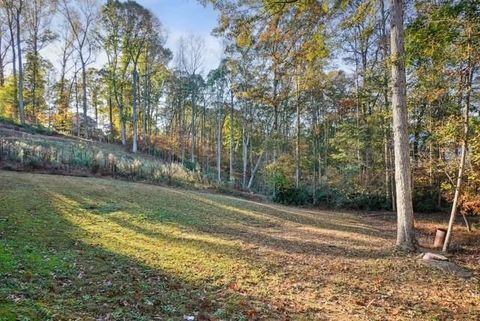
[{"x": 405, "y": 219}]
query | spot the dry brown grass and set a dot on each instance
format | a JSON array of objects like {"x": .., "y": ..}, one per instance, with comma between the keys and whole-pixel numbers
[{"x": 140, "y": 252}]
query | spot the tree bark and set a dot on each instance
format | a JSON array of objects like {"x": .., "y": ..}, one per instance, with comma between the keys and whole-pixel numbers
[
  {"x": 76, "y": 106},
  {"x": 135, "y": 111},
  {"x": 297, "y": 142},
  {"x": 231, "y": 176},
  {"x": 110, "y": 117},
  {"x": 84, "y": 94},
  {"x": 246, "y": 142},
  {"x": 21, "y": 108},
  {"x": 2, "y": 72},
  {"x": 219, "y": 146},
  {"x": 193, "y": 130},
  {"x": 405, "y": 218},
  {"x": 10, "y": 18}
]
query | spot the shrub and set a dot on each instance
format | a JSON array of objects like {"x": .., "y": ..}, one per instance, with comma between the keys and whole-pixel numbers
[
  {"x": 425, "y": 200},
  {"x": 65, "y": 156},
  {"x": 292, "y": 196}
]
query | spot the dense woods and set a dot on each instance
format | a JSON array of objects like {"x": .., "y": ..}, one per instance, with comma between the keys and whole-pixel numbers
[
  {"x": 308, "y": 106},
  {"x": 306, "y": 160}
]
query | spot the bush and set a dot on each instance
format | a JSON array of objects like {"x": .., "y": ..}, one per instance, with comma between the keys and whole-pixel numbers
[
  {"x": 292, "y": 196},
  {"x": 425, "y": 200},
  {"x": 31, "y": 154},
  {"x": 332, "y": 198},
  {"x": 369, "y": 202},
  {"x": 189, "y": 165}
]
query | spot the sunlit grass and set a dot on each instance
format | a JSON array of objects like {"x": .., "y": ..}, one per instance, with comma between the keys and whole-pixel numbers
[
  {"x": 87, "y": 249},
  {"x": 191, "y": 256}
]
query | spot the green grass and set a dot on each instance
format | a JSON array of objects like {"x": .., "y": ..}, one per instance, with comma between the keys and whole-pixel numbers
[{"x": 92, "y": 249}]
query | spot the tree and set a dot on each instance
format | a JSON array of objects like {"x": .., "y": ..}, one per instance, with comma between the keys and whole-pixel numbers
[
  {"x": 190, "y": 61},
  {"x": 469, "y": 26},
  {"x": 37, "y": 20},
  {"x": 82, "y": 17},
  {"x": 13, "y": 11},
  {"x": 36, "y": 85},
  {"x": 4, "y": 47},
  {"x": 405, "y": 221},
  {"x": 63, "y": 89}
]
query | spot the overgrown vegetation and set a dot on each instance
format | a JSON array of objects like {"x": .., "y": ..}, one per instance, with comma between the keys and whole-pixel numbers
[{"x": 64, "y": 155}]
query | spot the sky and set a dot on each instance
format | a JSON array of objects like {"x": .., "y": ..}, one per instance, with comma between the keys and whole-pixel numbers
[
  {"x": 183, "y": 17},
  {"x": 179, "y": 18}
]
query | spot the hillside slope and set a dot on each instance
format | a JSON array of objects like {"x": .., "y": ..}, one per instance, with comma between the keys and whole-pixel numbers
[
  {"x": 27, "y": 149},
  {"x": 96, "y": 249}
]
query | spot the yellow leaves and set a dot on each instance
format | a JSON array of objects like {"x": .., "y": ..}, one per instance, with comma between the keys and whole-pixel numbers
[
  {"x": 224, "y": 22},
  {"x": 244, "y": 35},
  {"x": 316, "y": 48},
  {"x": 244, "y": 39},
  {"x": 364, "y": 9},
  {"x": 325, "y": 7}
]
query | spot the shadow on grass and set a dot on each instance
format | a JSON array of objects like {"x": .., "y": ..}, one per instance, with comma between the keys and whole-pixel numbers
[
  {"x": 89, "y": 249},
  {"x": 48, "y": 271},
  {"x": 259, "y": 226}
]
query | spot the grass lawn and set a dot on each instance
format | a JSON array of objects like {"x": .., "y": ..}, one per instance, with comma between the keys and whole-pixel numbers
[{"x": 94, "y": 249}]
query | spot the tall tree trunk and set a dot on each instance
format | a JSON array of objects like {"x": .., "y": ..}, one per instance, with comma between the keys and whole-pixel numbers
[
  {"x": 193, "y": 129},
  {"x": 123, "y": 125},
  {"x": 84, "y": 95},
  {"x": 146, "y": 108},
  {"x": 14, "y": 58},
  {"x": 316, "y": 165},
  {"x": 405, "y": 218},
  {"x": 275, "y": 116},
  {"x": 219, "y": 146},
  {"x": 121, "y": 109},
  {"x": 110, "y": 117},
  {"x": 246, "y": 142},
  {"x": 21, "y": 108},
  {"x": 182, "y": 129},
  {"x": 231, "y": 177},
  {"x": 297, "y": 143},
  {"x": 2, "y": 72},
  {"x": 95, "y": 108},
  {"x": 77, "y": 107},
  {"x": 135, "y": 110}
]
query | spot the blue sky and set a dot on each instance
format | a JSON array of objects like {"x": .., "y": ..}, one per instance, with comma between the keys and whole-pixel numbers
[
  {"x": 179, "y": 18},
  {"x": 183, "y": 17}
]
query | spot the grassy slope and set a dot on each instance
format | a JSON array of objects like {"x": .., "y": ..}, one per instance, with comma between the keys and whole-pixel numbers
[
  {"x": 93, "y": 249},
  {"x": 27, "y": 150}
]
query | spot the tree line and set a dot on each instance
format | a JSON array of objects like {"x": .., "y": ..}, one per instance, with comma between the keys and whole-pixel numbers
[{"x": 309, "y": 104}]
